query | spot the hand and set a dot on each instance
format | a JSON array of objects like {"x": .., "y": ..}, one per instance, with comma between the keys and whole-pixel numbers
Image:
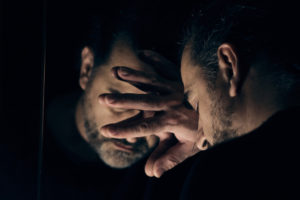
[{"x": 165, "y": 115}]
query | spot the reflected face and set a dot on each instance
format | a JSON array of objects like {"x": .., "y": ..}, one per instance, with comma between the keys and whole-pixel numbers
[
  {"x": 117, "y": 153},
  {"x": 213, "y": 105}
]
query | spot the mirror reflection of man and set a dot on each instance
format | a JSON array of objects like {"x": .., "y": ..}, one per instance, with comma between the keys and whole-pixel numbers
[
  {"x": 78, "y": 157},
  {"x": 117, "y": 153}
]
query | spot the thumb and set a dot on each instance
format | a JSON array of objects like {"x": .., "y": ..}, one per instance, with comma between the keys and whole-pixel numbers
[{"x": 174, "y": 156}]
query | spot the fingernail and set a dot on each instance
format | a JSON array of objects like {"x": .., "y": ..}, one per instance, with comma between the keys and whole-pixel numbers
[
  {"x": 112, "y": 132},
  {"x": 110, "y": 99},
  {"x": 123, "y": 71},
  {"x": 114, "y": 71},
  {"x": 101, "y": 99},
  {"x": 148, "y": 172},
  {"x": 159, "y": 172},
  {"x": 108, "y": 131},
  {"x": 103, "y": 131}
]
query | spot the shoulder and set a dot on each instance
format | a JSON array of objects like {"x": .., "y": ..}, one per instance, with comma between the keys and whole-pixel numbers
[{"x": 261, "y": 163}]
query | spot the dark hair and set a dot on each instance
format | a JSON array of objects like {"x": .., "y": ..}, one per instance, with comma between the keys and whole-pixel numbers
[
  {"x": 154, "y": 25},
  {"x": 250, "y": 25}
]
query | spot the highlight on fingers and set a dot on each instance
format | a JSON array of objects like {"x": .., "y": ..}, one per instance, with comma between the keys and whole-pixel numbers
[
  {"x": 172, "y": 157},
  {"x": 166, "y": 141},
  {"x": 143, "y": 79},
  {"x": 146, "y": 102},
  {"x": 128, "y": 74},
  {"x": 135, "y": 127}
]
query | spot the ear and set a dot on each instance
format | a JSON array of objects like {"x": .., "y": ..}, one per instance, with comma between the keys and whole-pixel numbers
[
  {"x": 87, "y": 64},
  {"x": 230, "y": 67}
]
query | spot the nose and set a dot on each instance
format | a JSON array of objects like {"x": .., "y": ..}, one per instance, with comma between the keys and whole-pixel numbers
[{"x": 131, "y": 140}]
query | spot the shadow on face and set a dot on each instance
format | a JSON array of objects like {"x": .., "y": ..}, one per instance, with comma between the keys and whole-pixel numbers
[{"x": 91, "y": 116}]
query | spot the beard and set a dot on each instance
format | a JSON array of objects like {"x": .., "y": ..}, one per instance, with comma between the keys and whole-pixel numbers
[
  {"x": 221, "y": 111},
  {"x": 111, "y": 156},
  {"x": 104, "y": 146}
]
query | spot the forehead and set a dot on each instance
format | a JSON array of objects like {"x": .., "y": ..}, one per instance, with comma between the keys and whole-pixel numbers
[{"x": 122, "y": 54}]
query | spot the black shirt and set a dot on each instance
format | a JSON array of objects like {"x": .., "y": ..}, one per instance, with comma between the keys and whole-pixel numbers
[{"x": 262, "y": 164}]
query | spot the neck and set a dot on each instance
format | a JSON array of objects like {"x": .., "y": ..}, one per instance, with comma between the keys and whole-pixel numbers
[{"x": 259, "y": 101}]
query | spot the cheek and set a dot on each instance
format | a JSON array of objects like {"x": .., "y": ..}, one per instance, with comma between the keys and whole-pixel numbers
[{"x": 207, "y": 118}]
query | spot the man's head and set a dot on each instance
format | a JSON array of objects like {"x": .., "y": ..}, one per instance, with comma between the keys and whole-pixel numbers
[
  {"x": 239, "y": 66},
  {"x": 96, "y": 80},
  {"x": 118, "y": 42}
]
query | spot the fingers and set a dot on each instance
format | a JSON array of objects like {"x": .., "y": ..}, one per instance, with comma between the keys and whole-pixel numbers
[
  {"x": 137, "y": 77},
  {"x": 166, "y": 141},
  {"x": 180, "y": 121},
  {"x": 135, "y": 127},
  {"x": 171, "y": 158},
  {"x": 146, "y": 102}
]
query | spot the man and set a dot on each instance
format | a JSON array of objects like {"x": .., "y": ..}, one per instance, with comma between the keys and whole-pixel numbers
[
  {"x": 241, "y": 74},
  {"x": 86, "y": 164}
]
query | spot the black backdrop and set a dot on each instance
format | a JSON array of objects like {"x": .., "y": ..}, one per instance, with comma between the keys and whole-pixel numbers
[
  {"x": 21, "y": 77},
  {"x": 20, "y": 97}
]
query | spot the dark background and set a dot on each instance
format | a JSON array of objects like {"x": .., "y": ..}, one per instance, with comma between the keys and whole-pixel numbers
[
  {"x": 20, "y": 97},
  {"x": 21, "y": 75},
  {"x": 27, "y": 29}
]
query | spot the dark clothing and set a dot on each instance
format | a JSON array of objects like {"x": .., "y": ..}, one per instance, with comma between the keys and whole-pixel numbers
[{"x": 262, "y": 164}]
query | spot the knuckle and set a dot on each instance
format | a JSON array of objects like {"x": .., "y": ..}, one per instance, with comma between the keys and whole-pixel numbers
[
  {"x": 173, "y": 160},
  {"x": 143, "y": 127},
  {"x": 160, "y": 164},
  {"x": 172, "y": 120},
  {"x": 168, "y": 163},
  {"x": 173, "y": 102}
]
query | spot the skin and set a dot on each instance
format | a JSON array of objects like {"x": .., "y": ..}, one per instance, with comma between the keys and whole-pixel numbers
[
  {"x": 214, "y": 119},
  {"x": 90, "y": 115},
  {"x": 244, "y": 97}
]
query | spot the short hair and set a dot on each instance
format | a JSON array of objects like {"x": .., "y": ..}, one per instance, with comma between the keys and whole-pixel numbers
[
  {"x": 154, "y": 25},
  {"x": 251, "y": 26}
]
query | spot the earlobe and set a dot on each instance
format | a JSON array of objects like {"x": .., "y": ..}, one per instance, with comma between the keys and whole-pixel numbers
[
  {"x": 87, "y": 64},
  {"x": 229, "y": 67}
]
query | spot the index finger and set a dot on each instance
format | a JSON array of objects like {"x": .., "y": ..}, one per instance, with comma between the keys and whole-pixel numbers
[
  {"x": 138, "y": 77},
  {"x": 146, "y": 102},
  {"x": 135, "y": 128}
]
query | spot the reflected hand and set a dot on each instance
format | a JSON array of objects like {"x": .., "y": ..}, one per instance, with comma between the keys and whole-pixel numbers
[{"x": 165, "y": 115}]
